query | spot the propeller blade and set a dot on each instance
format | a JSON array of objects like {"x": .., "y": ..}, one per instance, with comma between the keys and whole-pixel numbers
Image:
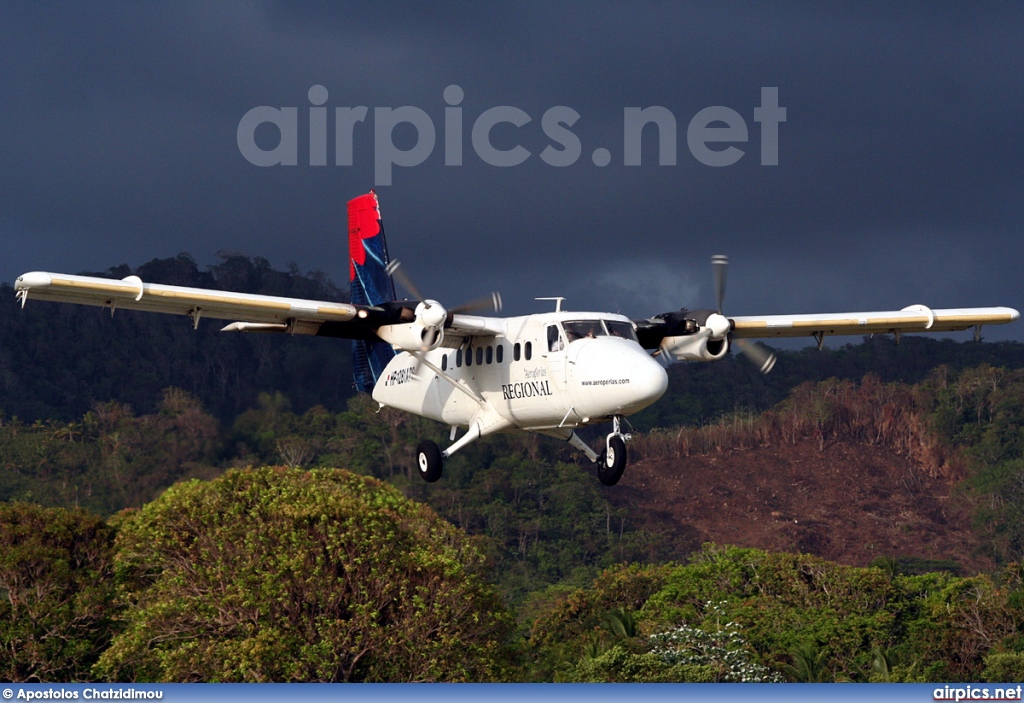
[
  {"x": 763, "y": 359},
  {"x": 719, "y": 262},
  {"x": 490, "y": 302},
  {"x": 395, "y": 271}
]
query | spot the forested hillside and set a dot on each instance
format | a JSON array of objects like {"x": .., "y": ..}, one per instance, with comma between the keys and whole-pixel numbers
[
  {"x": 867, "y": 502},
  {"x": 56, "y": 360}
]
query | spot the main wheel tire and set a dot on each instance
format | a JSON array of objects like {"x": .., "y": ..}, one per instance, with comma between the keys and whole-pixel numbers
[
  {"x": 613, "y": 462},
  {"x": 429, "y": 461}
]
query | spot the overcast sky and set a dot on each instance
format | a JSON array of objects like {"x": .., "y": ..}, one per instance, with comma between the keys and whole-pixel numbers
[{"x": 900, "y": 175}]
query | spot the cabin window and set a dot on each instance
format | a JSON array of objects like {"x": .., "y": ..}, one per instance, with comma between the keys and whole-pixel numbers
[
  {"x": 479, "y": 355},
  {"x": 444, "y": 362},
  {"x": 469, "y": 357},
  {"x": 529, "y": 350},
  {"x": 515, "y": 351},
  {"x": 490, "y": 355},
  {"x": 500, "y": 353}
]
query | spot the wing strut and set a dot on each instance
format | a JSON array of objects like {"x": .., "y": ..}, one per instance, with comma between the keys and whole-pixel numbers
[{"x": 421, "y": 358}]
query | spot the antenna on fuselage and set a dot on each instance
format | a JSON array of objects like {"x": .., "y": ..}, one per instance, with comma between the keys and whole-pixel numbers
[{"x": 558, "y": 302}]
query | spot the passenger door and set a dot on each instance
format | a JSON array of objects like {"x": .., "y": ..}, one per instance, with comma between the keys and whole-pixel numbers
[{"x": 555, "y": 354}]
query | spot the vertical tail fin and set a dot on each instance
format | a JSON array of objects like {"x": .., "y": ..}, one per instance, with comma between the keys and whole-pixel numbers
[{"x": 369, "y": 284}]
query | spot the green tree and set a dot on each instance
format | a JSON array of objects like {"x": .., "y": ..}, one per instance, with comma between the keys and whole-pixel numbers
[
  {"x": 720, "y": 650},
  {"x": 1006, "y": 667},
  {"x": 864, "y": 623},
  {"x": 620, "y": 665},
  {"x": 570, "y": 627},
  {"x": 55, "y": 592},
  {"x": 682, "y": 654},
  {"x": 284, "y": 575}
]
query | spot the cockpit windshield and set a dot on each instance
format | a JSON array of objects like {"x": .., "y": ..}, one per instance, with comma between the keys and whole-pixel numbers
[
  {"x": 584, "y": 329},
  {"x": 617, "y": 328}
]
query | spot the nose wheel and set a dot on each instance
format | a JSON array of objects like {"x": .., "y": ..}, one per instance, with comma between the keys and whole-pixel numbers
[{"x": 613, "y": 462}]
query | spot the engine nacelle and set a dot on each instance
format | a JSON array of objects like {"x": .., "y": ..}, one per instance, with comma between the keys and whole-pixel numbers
[
  {"x": 701, "y": 346},
  {"x": 412, "y": 336}
]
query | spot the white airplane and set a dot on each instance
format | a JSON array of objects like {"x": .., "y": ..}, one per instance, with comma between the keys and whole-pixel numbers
[{"x": 549, "y": 372}]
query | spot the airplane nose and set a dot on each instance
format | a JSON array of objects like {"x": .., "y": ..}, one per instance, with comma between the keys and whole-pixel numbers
[
  {"x": 650, "y": 380},
  {"x": 615, "y": 377}
]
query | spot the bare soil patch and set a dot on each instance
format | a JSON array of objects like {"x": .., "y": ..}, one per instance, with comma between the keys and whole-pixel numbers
[{"x": 846, "y": 502}]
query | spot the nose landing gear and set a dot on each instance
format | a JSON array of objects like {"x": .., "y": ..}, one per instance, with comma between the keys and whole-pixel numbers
[{"x": 612, "y": 462}]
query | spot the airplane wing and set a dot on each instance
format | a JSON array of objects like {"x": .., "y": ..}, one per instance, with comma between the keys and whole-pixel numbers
[
  {"x": 916, "y": 318},
  {"x": 704, "y": 335},
  {"x": 250, "y": 312},
  {"x": 259, "y": 312}
]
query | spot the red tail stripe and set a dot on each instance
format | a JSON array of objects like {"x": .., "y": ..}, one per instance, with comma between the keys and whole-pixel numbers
[{"x": 363, "y": 223}]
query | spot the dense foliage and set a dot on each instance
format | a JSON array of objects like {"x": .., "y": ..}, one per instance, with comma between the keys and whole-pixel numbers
[
  {"x": 287, "y": 575},
  {"x": 109, "y": 458},
  {"x": 733, "y": 613},
  {"x": 56, "y": 592},
  {"x": 981, "y": 412},
  {"x": 542, "y": 517}
]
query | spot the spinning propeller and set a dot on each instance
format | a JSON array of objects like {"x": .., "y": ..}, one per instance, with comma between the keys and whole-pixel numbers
[
  {"x": 763, "y": 359},
  {"x": 431, "y": 314}
]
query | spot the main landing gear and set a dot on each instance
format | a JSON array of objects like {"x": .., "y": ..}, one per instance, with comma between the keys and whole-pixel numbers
[
  {"x": 430, "y": 459},
  {"x": 611, "y": 463}
]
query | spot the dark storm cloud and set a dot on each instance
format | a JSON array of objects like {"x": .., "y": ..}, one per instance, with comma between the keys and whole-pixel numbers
[{"x": 899, "y": 177}]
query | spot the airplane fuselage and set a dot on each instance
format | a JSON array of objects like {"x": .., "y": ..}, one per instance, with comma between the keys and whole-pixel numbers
[{"x": 546, "y": 372}]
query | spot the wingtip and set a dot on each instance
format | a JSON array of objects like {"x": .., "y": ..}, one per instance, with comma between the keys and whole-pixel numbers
[{"x": 33, "y": 279}]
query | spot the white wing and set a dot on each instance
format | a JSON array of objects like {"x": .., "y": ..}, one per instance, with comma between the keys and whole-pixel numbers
[
  {"x": 916, "y": 318},
  {"x": 131, "y": 293},
  {"x": 250, "y": 313}
]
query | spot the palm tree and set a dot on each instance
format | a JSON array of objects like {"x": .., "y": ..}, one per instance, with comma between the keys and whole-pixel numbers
[
  {"x": 621, "y": 623},
  {"x": 808, "y": 663}
]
